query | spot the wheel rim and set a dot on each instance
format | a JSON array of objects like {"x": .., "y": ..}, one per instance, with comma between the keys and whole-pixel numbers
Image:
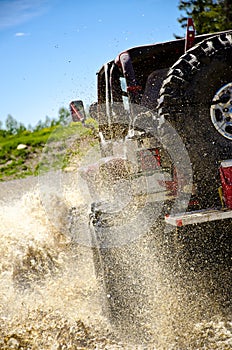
[{"x": 221, "y": 111}]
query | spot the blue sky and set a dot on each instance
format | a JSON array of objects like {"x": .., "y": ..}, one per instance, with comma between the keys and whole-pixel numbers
[{"x": 51, "y": 49}]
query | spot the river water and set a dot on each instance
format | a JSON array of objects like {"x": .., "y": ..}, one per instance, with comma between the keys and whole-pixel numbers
[{"x": 49, "y": 296}]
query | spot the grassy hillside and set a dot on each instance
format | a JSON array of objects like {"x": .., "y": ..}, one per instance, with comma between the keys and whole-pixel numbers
[{"x": 22, "y": 155}]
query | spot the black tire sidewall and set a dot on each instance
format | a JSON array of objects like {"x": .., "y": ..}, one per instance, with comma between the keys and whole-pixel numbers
[{"x": 205, "y": 145}]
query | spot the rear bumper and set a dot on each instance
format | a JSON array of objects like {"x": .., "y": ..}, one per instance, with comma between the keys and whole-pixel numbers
[{"x": 197, "y": 217}]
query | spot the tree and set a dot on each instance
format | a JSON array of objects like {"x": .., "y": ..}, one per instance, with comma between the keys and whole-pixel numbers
[
  {"x": 39, "y": 126},
  {"x": 226, "y": 8},
  {"x": 64, "y": 116},
  {"x": 2, "y": 131},
  {"x": 208, "y": 15},
  {"x": 11, "y": 125},
  {"x": 21, "y": 128},
  {"x": 30, "y": 128},
  {"x": 47, "y": 122}
]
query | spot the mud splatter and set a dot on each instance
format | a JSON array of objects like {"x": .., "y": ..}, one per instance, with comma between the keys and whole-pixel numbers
[{"x": 50, "y": 298}]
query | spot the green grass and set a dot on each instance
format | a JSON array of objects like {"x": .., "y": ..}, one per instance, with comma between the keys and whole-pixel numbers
[{"x": 51, "y": 141}]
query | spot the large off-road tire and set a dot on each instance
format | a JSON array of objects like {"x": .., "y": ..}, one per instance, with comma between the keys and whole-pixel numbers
[
  {"x": 128, "y": 275},
  {"x": 187, "y": 98},
  {"x": 152, "y": 88},
  {"x": 189, "y": 101}
]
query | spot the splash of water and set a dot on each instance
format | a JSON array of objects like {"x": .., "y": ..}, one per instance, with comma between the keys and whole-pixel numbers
[{"x": 50, "y": 298}]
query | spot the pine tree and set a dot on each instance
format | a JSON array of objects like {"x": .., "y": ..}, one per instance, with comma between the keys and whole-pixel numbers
[{"x": 208, "y": 15}]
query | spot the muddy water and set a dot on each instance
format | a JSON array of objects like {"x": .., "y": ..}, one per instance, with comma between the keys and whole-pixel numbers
[{"x": 50, "y": 298}]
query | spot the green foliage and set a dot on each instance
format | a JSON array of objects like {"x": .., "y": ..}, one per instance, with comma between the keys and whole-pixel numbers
[
  {"x": 64, "y": 116},
  {"x": 15, "y": 163},
  {"x": 51, "y": 137},
  {"x": 13, "y": 127},
  {"x": 208, "y": 15},
  {"x": 65, "y": 142},
  {"x": 92, "y": 123},
  {"x": 8, "y": 145},
  {"x": 63, "y": 119}
]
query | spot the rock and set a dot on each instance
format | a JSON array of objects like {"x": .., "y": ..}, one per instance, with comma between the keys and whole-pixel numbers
[
  {"x": 13, "y": 343},
  {"x": 21, "y": 146},
  {"x": 70, "y": 169}
]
